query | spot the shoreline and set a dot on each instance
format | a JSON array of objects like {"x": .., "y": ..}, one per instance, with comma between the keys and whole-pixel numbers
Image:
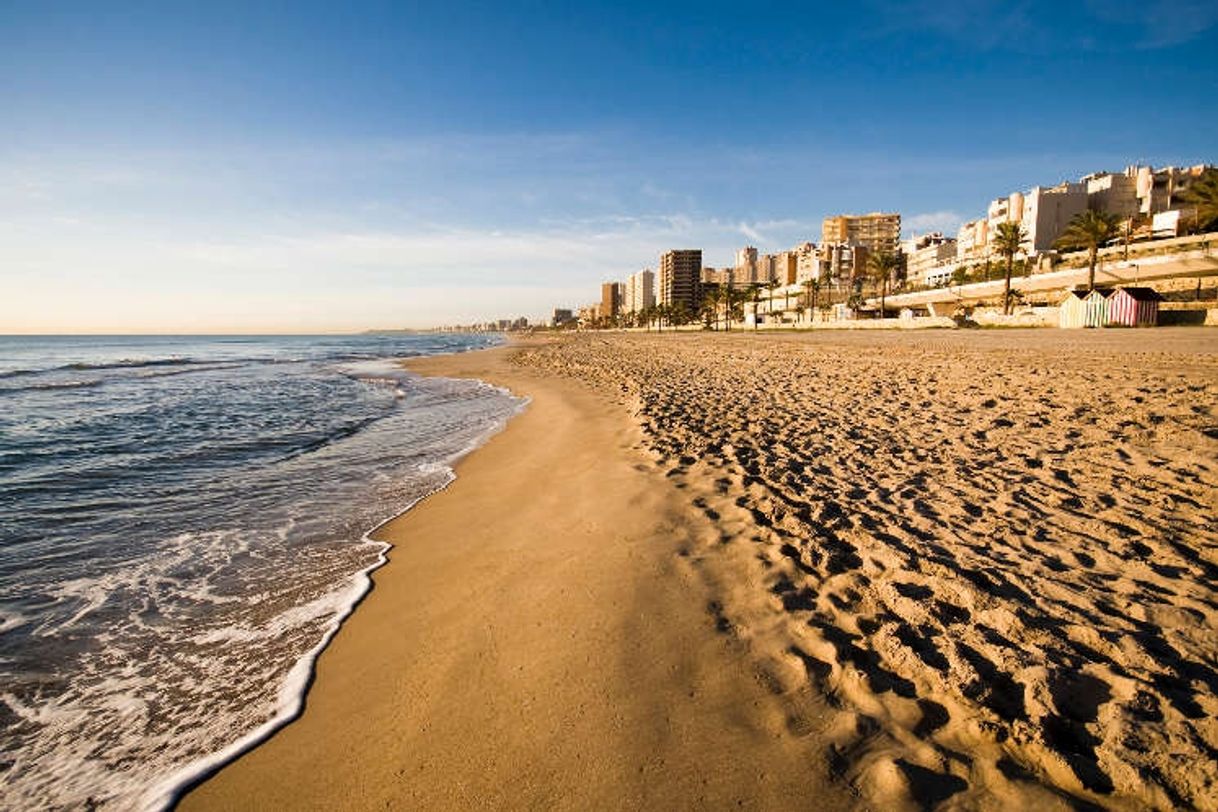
[
  {"x": 594, "y": 614},
  {"x": 293, "y": 692},
  {"x": 880, "y": 570}
]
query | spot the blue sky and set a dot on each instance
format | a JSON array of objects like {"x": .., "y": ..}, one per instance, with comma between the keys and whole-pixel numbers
[{"x": 296, "y": 167}]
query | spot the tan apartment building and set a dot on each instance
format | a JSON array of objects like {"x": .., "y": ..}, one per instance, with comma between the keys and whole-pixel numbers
[
  {"x": 679, "y": 279},
  {"x": 972, "y": 240},
  {"x": 1115, "y": 193},
  {"x": 611, "y": 300},
  {"x": 786, "y": 267},
  {"x": 876, "y": 231},
  {"x": 840, "y": 262},
  {"x": 1159, "y": 189}
]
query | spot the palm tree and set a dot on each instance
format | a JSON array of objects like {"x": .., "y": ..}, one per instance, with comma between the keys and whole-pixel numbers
[
  {"x": 710, "y": 307},
  {"x": 810, "y": 285},
  {"x": 881, "y": 264},
  {"x": 1203, "y": 195},
  {"x": 1008, "y": 240},
  {"x": 770, "y": 287},
  {"x": 1089, "y": 229},
  {"x": 756, "y": 304}
]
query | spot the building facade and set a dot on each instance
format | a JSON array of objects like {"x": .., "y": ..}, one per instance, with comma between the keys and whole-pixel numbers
[
  {"x": 679, "y": 281},
  {"x": 876, "y": 231},
  {"x": 611, "y": 301},
  {"x": 928, "y": 256},
  {"x": 1159, "y": 189},
  {"x": 841, "y": 262},
  {"x": 807, "y": 262},
  {"x": 640, "y": 291},
  {"x": 1047, "y": 212},
  {"x": 1114, "y": 193}
]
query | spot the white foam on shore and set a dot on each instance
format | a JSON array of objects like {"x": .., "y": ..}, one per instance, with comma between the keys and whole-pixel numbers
[{"x": 293, "y": 691}]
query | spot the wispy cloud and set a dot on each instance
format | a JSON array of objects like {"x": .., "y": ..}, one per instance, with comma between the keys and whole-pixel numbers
[
  {"x": 1038, "y": 26},
  {"x": 946, "y": 221},
  {"x": 1158, "y": 23}
]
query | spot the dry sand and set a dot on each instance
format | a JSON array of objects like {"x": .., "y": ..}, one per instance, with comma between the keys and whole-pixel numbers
[{"x": 890, "y": 571}]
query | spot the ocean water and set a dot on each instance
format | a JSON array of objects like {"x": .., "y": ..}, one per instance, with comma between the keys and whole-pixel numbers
[{"x": 183, "y": 524}]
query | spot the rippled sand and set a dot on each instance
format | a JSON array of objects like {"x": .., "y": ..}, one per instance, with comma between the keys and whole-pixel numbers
[{"x": 973, "y": 568}]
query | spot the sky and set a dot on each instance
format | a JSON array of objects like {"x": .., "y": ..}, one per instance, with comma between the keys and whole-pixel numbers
[{"x": 297, "y": 167}]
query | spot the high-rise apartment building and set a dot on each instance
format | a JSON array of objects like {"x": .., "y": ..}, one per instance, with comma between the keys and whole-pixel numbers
[
  {"x": 876, "y": 231},
  {"x": 679, "y": 280},
  {"x": 611, "y": 302},
  {"x": 640, "y": 291},
  {"x": 842, "y": 262},
  {"x": 807, "y": 262},
  {"x": 746, "y": 260}
]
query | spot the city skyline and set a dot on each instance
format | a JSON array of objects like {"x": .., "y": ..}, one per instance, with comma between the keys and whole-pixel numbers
[{"x": 236, "y": 170}]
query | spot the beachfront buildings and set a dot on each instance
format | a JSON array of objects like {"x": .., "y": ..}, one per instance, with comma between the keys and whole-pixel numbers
[
  {"x": 611, "y": 300},
  {"x": 876, "y": 231},
  {"x": 929, "y": 259},
  {"x": 640, "y": 291},
  {"x": 1047, "y": 212},
  {"x": 807, "y": 262},
  {"x": 1136, "y": 195},
  {"x": 679, "y": 281},
  {"x": 843, "y": 261},
  {"x": 753, "y": 268}
]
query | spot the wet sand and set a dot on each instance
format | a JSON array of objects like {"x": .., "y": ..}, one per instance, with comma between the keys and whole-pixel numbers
[
  {"x": 893, "y": 571},
  {"x": 535, "y": 641}
]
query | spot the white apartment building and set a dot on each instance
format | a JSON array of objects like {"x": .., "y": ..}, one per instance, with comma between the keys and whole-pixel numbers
[
  {"x": 972, "y": 241},
  {"x": 929, "y": 255},
  {"x": 807, "y": 262},
  {"x": 640, "y": 291},
  {"x": 1047, "y": 212}
]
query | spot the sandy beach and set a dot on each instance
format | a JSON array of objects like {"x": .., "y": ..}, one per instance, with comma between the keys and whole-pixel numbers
[
  {"x": 535, "y": 641},
  {"x": 892, "y": 571}
]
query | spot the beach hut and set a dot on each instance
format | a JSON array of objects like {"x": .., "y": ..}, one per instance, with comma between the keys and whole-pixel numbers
[
  {"x": 1083, "y": 308},
  {"x": 1134, "y": 307},
  {"x": 1072, "y": 312}
]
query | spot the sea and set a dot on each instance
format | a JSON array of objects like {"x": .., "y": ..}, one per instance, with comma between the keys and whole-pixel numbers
[{"x": 184, "y": 523}]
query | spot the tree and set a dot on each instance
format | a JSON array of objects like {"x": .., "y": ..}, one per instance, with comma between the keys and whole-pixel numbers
[
  {"x": 1008, "y": 240},
  {"x": 770, "y": 287},
  {"x": 756, "y": 304},
  {"x": 811, "y": 288},
  {"x": 710, "y": 307},
  {"x": 881, "y": 264},
  {"x": 1089, "y": 229},
  {"x": 1202, "y": 194}
]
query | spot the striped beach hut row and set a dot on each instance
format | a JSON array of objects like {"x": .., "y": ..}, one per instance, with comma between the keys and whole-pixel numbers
[
  {"x": 1133, "y": 307},
  {"x": 1082, "y": 308},
  {"x": 1123, "y": 307}
]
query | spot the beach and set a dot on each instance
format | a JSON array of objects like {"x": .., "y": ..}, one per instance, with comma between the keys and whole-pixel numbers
[{"x": 835, "y": 571}]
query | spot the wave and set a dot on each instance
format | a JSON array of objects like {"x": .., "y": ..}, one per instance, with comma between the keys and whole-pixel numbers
[
  {"x": 292, "y": 693},
  {"x": 35, "y": 387}
]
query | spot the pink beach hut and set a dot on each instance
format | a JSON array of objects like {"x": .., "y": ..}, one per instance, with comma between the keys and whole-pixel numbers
[{"x": 1134, "y": 307}]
